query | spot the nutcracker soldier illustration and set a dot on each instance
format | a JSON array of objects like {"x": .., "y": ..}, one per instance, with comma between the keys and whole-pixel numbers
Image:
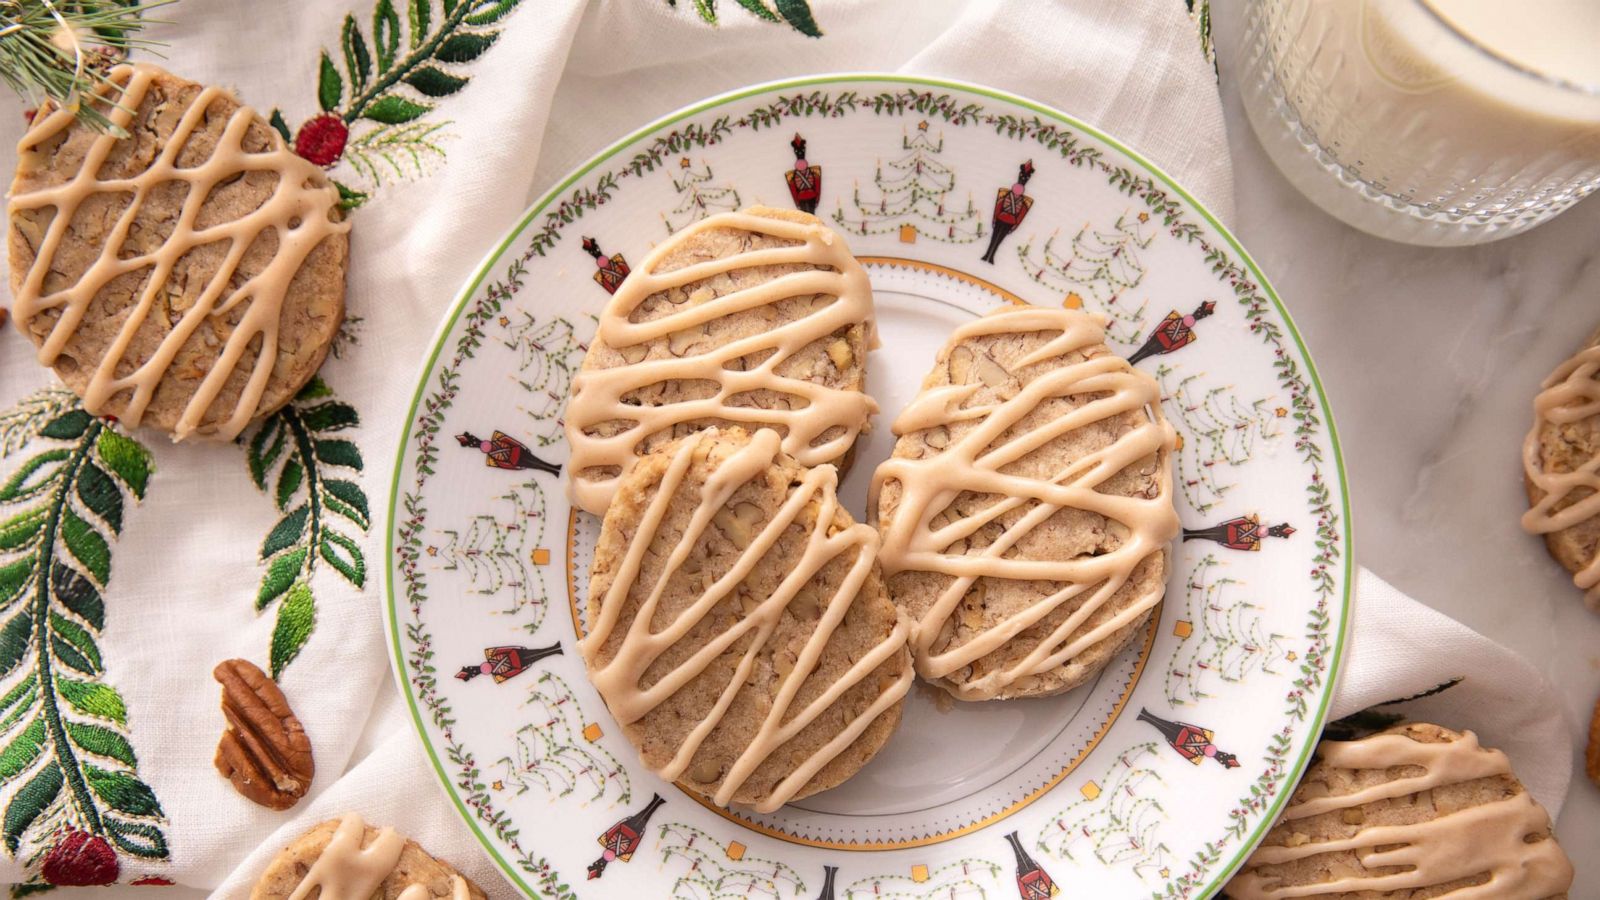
[
  {"x": 1011, "y": 206},
  {"x": 1191, "y": 741},
  {"x": 1033, "y": 882},
  {"x": 1241, "y": 533},
  {"x": 612, "y": 268},
  {"x": 828, "y": 873},
  {"x": 502, "y": 451},
  {"x": 1174, "y": 333},
  {"x": 623, "y": 838},
  {"x": 507, "y": 662},
  {"x": 805, "y": 180}
]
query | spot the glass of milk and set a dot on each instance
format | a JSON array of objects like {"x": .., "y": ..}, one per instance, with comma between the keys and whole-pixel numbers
[{"x": 1437, "y": 122}]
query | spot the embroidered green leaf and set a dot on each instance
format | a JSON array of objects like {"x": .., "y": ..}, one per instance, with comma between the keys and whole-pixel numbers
[
  {"x": 392, "y": 109},
  {"x": 101, "y": 495},
  {"x": 289, "y": 478},
  {"x": 22, "y": 528},
  {"x": 798, "y": 14},
  {"x": 357, "y": 60},
  {"x": 261, "y": 454},
  {"x": 33, "y": 477},
  {"x": 296, "y": 619},
  {"x": 464, "y": 47},
  {"x": 127, "y": 458},
  {"x": 32, "y": 799},
  {"x": 94, "y": 699},
  {"x": 78, "y": 595},
  {"x": 69, "y": 426},
  {"x": 330, "y": 87},
  {"x": 306, "y": 533},
  {"x": 280, "y": 126},
  {"x": 435, "y": 82},
  {"x": 26, "y": 747},
  {"x": 759, "y": 9},
  {"x": 22, "y": 422},
  {"x": 349, "y": 198},
  {"x": 86, "y": 545},
  {"x": 385, "y": 33},
  {"x": 137, "y": 838},
  {"x": 343, "y": 554},
  {"x": 707, "y": 10},
  {"x": 288, "y": 532},
  {"x": 122, "y": 791},
  {"x": 418, "y": 12},
  {"x": 281, "y": 573},
  {"x": 79, "y": 480},
  {"x": 488, "y": 12}
]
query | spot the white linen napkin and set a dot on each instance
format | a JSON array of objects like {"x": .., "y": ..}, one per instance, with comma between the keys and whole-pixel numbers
[{"x": 563, "y": 79}]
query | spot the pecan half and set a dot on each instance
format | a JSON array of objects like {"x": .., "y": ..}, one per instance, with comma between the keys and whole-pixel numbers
[
  {"x": 264, "y": 750},
  {"x": 1591, "y": 755}
]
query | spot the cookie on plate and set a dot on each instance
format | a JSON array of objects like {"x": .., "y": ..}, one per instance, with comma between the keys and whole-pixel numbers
[
  {"x": 1561, "y": 466},
  {"x": 188, "y": 277},
  {"x": 737, "y": 623},
  {"x": 346, "y": 857},
  {"x": 1027, "y": 508},
  {"x": 1414, "y": 812},
  {"x": 759, "y": 318}
]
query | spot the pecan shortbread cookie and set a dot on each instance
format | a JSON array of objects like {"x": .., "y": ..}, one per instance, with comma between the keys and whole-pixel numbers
[
  {"x": 737, "y": 624},
  {"x": 1561, "y": 468},
  {"x": 188, "y": 276},
  {"x": 346, "y": 857},
  {"x": 759, "y": 318}
]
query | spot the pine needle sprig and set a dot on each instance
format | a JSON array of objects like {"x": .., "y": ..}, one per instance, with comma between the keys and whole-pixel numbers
[{"x": 63, "y": 51}]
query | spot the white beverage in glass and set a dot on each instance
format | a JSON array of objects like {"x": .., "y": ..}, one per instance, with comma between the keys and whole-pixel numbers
[{"x": 1429, "y": 121}]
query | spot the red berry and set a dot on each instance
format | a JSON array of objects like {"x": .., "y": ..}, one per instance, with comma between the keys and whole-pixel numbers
[
  {"x": 321, "y": 140},
  {"x": 81, "y": 859}
]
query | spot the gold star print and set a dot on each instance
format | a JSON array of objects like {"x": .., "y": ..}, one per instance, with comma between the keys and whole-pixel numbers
[
  {"x": 923, "y": 125},
  {"x": 1166, "y": 872},
  {"x": 499, "y": 785},
  {"x": 433, "y": 551},
  {"x": 1292, "y": 656},
  {"x": 504, "y": 321},
  {"x": 1280, "y": 412},
  {"x": 683, "y": 163},
  {"x": 1145, "y": 217}
]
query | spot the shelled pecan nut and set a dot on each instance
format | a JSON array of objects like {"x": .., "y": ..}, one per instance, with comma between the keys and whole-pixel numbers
[{"x": 264, "y": 750}]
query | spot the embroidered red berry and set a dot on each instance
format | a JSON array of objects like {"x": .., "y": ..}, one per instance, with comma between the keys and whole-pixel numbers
[
  {"x": 81, "y": 859},
  {"x": 155, "y": 880},
  {"x": 321, "y": 140}
]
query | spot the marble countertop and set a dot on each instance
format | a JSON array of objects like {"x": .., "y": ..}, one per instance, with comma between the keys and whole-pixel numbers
[{"x": 1431, "y": 358}]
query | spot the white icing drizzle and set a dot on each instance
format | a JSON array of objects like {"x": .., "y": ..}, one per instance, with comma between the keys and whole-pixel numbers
[
  {"x": 302, "y": 193},
  {"x": 1484, "y": 839},
  {"x": 929, "y": 484},
  {"x": 618, "y": 679},
  {"x": 346, "y": 870},
  {"x": 597, "y": 392},
  {"x": 1570, "y": 395},
  {"x": 458, "y": 891}
]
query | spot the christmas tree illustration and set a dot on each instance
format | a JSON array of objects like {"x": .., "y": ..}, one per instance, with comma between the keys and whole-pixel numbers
[
  {"x": 498, "y": 552},
  {"x": 914, "y": 198},
  {"x": 549, "y": 353},
  {"x": 1114, "y": 822},
  {"x": 557, "y": 751},
  {"x": 1098, "y": 271},
  {"x": 1217, "y": 431},
  {"x": 698, "y": 198},
  {"x": 1222, "y": 638},
  {"x": 710, "y": 870},
  {"x": 963, "y": 879}
]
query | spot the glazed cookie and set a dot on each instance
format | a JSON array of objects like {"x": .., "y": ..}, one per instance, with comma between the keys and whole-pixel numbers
[
  {"x": 345, "y": 857},
  {"x": 1449, "y": 816},
  {"x": 1027, "y": 508},
  {"x": 1561, "y": 466},
  {"x": 759, "y": 318},
  {"x": 189, "y": 276},
  {"x": 738, "y": 627}
]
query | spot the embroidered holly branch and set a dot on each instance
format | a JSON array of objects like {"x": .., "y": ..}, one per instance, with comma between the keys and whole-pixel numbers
[
  {"x": 796, "y": 13},
  {"x": 80, "y": 801},
  {"x": 375, "y": 94},
  {"x": 290, "y": 455}
]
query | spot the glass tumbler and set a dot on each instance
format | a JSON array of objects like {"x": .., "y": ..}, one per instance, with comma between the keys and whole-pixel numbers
[{"x": 1393, "y": 118}]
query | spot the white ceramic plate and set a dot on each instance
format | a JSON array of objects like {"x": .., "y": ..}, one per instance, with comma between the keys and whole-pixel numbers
[{"x": 1153, "y": 780}]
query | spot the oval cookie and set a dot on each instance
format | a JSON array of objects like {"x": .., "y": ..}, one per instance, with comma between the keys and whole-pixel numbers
[
  {"x": 759, "y": 318},
  {"x": 188, "y": 277},
  {"x": 1561, "y": 466},
  {"x": 738, "y": 627},
  {"x": 1027, "y": 508},
  {"x": 346, "y": 857},
  {"x": 1416, "y": 811}
]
